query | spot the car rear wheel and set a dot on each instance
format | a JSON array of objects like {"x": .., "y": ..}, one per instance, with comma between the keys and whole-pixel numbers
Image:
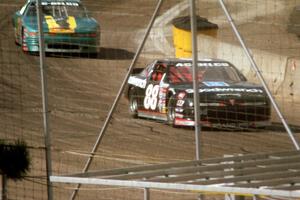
[
  {"x": 133, "y": 106},
  {"x": 171, "y": 111}
]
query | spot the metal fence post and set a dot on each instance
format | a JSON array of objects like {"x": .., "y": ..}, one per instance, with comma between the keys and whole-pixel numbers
[
  {"x": 195, "y": 82},
  {"x": 47, "y": 138},
  {"x": 146, "y": 194},
  {"x": 195, "y": 79}
]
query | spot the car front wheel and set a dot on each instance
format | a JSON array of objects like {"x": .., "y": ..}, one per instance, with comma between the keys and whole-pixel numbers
[
  {"x": 17, "y": 40},
  {"x": 133, "y": 106},
  {"x": 171, "y": 111}
]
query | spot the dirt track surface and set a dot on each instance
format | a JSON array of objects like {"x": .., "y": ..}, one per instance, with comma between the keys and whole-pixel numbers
[{"x": 81, "y": 91}]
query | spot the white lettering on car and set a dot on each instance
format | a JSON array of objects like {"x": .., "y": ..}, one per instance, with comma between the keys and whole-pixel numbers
[
  {"x": 204, "y": 64},
  {"x": 251, "y": 90},
  {"x": 60, "y": 3},
  {"x": 150, "y": 101},
  {"x": 137, "y": 82},
  {"x": 180, "y": 103},
  {"x": 215, "y": 83}
]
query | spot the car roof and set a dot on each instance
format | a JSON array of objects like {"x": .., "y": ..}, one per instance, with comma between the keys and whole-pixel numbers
[
  {"x": 175, "y": 60},
  {"x": 54, "y": 1}
]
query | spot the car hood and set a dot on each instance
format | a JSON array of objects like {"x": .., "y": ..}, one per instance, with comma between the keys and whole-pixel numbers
[{"x": 66, "y": 25}]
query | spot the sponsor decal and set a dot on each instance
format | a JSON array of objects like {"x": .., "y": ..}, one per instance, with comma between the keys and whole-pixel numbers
[
  {"x": 184, "y": 122},
  {"x": 65, "y": 26},
  {"x": 137, "y": 82},
  {"x": 161, "y": 105},
  {"x": 210, "y": 104},
  {"x": 164, "y": 85},
  {"x": 229, "y": 94},
  {"x": 60, "y": 3},
  {"x": 251, "y": 90},
  {"x": 181, "y": 95},
  {"x": 179, "y": 110},
  {"x": 163, "y": 93},
  {"x": 180, "y": 103},
  {"x": 215, "y": 84},
  {"x": 204, "y": 64},
  {"x": 178, "y": 115}
]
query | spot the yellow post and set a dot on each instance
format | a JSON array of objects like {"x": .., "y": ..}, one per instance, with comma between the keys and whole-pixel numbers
[{"x": 182, "y": 40}]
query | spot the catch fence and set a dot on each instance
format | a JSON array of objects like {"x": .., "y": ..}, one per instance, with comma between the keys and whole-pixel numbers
[{"x": 82, "y": 87}]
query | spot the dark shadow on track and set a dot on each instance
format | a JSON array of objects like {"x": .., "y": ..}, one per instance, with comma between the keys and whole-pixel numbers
[
  {"x": 115, "y": 54},
  {"x": 278, "y": 127},
  {"x": 104, "y": 53},
  {"x": 275, "y": 127}
]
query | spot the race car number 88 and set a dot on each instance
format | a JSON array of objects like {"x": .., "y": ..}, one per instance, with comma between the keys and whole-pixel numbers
[{"x": 150, "y": 100}]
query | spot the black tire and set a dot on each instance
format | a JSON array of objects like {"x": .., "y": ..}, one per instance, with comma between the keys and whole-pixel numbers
[
  {"x": 133, "y": 105},
  {"x": 17, "y": 42},
  {"x": 171, "y": 111}
]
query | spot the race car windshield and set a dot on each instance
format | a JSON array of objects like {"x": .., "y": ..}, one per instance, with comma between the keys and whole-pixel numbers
[
  {"x": 184, "y": 74},
  {"x": 59, "y": 10}
]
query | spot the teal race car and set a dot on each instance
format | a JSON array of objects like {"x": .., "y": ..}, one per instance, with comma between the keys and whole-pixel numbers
[{"x": 67, "y": 27}]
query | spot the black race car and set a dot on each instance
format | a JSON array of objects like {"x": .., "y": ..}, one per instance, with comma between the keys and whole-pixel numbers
[{"x": 164, "y": 91}]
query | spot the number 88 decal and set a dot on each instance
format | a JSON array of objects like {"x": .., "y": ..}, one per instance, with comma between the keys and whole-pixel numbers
[{"x": 150, "y": 100}]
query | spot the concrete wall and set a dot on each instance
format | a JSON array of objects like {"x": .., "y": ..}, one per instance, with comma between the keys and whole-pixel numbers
[
  {"x": 291, "y": 85},
  {"x": 272, "y": 66},
  {"x": 282, "y": 73}
]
